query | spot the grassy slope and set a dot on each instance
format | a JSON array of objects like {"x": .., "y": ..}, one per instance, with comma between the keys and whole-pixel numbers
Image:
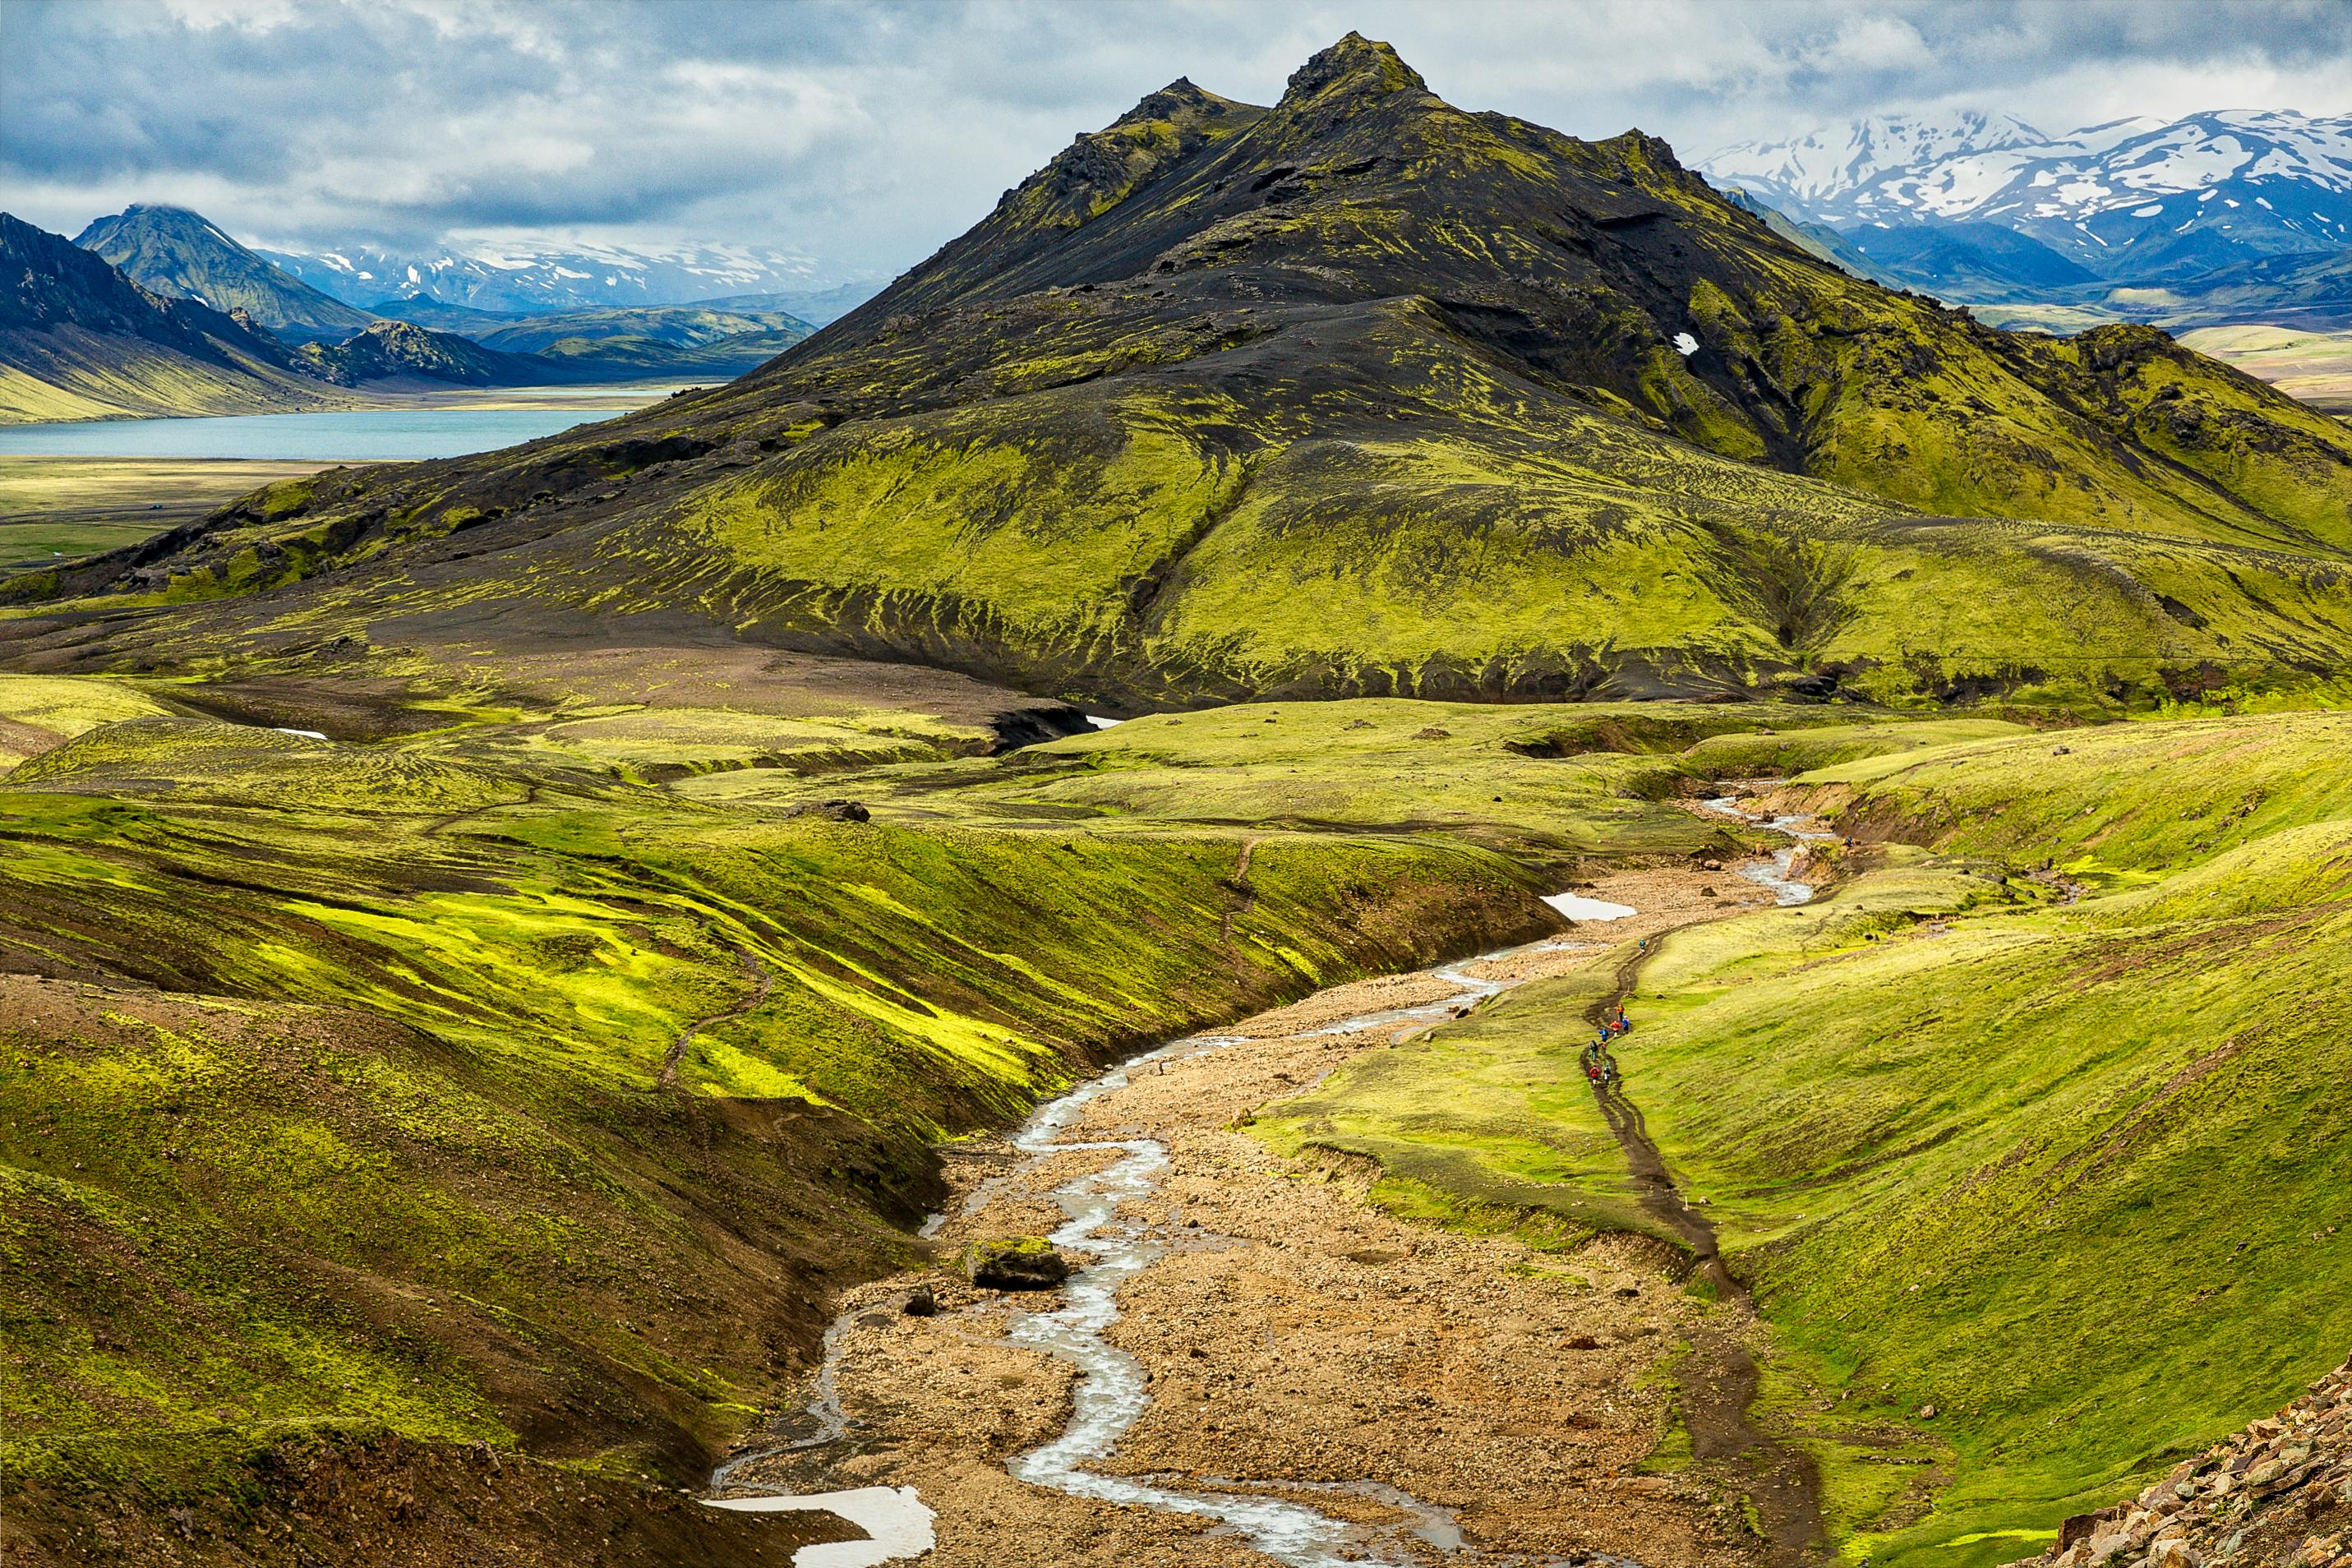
[
  {"x": 389, "y": 1149},
  {"x": 69, "y": 373},
  {"x": 1561, "y": 779},
  {"x": 2019, "y": 1161},
  {"x": 53, "y": 508}
]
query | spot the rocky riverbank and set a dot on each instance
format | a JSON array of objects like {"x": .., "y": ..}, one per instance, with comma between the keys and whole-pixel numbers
[
  {"x": 1434, "y": 1393},
  {"x": 2277, "y": 1495}
]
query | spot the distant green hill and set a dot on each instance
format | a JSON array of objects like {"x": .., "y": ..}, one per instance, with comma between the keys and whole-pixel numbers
[
  {"x": 425, "y": 310},
  {"x": 78, "y": 341},
  {"x": 395, "y": 350},
  {"x": 174, "y": 252},
  {"x": 1364, "y": 394},
  {"x": 688, "y": 326}
]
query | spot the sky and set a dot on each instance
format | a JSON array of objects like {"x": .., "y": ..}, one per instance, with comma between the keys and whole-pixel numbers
[{"x": 859, "y": 136}]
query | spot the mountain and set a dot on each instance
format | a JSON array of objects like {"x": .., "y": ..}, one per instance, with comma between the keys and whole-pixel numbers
[
  {"x": 1364, "y": 394},
  {"x": 2138, "y": 200},
  {"x": 533, "y": 278},
  {"x": 425, "y": 310},
  {"x": 1834, "y": 175},
  {"x": 402, "y": 351},
  {"x": 1971, "y": 261},
  {"x": 818, "y": 307},
  {"x": 171, "y": 250},
  {"x": 652, "y": 359},
  {"x": 685, "y": 325},
  {"x": 79, "y": 341},
  {"x": 1816, "y": 239}
]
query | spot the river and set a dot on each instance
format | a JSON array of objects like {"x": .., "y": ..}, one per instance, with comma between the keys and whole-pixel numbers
[{"x": 1116, "y": 1229}]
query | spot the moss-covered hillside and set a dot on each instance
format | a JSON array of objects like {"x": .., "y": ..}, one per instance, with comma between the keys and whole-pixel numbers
[
  {"x": 469, "y": 1084},
  {"x": 1359, "y": 394},
  {"x": 2032, "y": 1135}
]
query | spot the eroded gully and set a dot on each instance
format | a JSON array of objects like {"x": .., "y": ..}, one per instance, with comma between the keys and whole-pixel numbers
[{"x": 1112, "y": 1389}]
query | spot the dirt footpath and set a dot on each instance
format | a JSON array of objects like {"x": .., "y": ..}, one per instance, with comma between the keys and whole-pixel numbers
[{"x": 1295, "y": 1337}]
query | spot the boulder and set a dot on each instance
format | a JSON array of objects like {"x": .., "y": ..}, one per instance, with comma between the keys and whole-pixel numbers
[
  {"x": 1015, "y": 1263},
  {"x": 922, "y": 1303},
  {"x": 2077, "y": 1527},
  {"x": 833, "y": 811}
]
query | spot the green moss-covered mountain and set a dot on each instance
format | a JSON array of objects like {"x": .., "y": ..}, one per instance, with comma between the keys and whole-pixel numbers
[
  {"x": 401, "y": 351},
  {"x": 1361, "y": 393},
  {"x": 79, "y": 341},
  {"x": 174, "y": 252}
]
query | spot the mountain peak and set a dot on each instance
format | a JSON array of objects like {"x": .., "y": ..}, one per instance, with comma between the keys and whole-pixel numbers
[
  {"x": 1356, "y": 67},
  {"x": 177, "y": 252}
]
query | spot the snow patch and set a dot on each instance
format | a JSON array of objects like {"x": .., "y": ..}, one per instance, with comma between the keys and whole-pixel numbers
[
  {"x": 895, "y": 1517},
  {"x": 1576, "y": 907},
  {"x": 1685, "y": 345}
]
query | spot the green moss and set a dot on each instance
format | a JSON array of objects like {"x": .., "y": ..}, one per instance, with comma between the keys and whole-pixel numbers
[{"x": 2059, "y": 1170}]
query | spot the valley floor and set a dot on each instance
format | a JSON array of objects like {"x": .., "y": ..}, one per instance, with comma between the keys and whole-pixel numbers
[
  {"x": 1301, "y": 1340},
  {"x": 53, "y": 508}
]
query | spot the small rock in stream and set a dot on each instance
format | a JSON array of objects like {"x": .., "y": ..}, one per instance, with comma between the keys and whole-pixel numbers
[{"x": 1015, "y": 1263}]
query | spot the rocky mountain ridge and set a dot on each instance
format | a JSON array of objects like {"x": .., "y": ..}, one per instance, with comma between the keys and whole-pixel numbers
[{"x": 76, "y": 337}]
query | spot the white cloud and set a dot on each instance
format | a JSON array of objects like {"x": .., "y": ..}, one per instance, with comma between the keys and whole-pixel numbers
[
  {"x": 1865, "y": 43},
  {"x": 866, "y": 132}
]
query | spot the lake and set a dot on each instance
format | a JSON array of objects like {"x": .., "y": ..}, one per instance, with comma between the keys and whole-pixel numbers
[{"x": 364, "y": 435}]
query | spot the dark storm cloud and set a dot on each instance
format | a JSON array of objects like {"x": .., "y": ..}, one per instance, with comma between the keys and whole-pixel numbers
[{"x": 864, "y": 133}]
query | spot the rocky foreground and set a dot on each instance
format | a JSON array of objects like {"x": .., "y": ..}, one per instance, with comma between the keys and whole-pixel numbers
[{"x": 2279, "y": 1493}]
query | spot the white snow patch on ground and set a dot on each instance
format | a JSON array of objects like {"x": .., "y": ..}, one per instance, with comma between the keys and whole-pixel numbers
[
  {"x": 1576, "y": 907},
  {"x": 897, "y": 1519},
  {"x": 1099, "y": 722},
  {"x": 306, "y": 734},
  {"x": 1685, "y": 344}
]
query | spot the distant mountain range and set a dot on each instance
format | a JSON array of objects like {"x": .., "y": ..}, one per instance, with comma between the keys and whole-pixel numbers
[
  {"x": 2202, "y": 208},
  {"x": 535, "y": 280},
  {"x": 161, "y": 312}
]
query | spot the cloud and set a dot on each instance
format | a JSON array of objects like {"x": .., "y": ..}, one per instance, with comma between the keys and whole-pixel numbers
[
  {"x": 866, "y": 132},
  {"x": 1866, "y": 43}
]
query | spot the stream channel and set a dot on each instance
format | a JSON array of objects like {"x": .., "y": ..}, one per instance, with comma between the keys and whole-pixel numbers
[{"x": 1113, "y": 1389}]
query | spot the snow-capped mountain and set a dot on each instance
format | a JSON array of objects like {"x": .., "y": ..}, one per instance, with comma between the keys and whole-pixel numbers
[
  {"x": 2138, "y": 198},
  {"x": 536, "y": 277},
  {"x": 1826, "y": 176}
]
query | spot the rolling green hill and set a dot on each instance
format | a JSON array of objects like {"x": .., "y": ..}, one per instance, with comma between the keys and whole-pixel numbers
[
  {"x": 2030, "y": 1135},
  {"x": 688, "y": 326},
  {"x": 174, "y": 252},
  {"x": 1366, "y": 393}
]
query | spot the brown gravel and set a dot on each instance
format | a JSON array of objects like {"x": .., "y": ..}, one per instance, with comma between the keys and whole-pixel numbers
[{"x": 1297, "y": 1335}]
